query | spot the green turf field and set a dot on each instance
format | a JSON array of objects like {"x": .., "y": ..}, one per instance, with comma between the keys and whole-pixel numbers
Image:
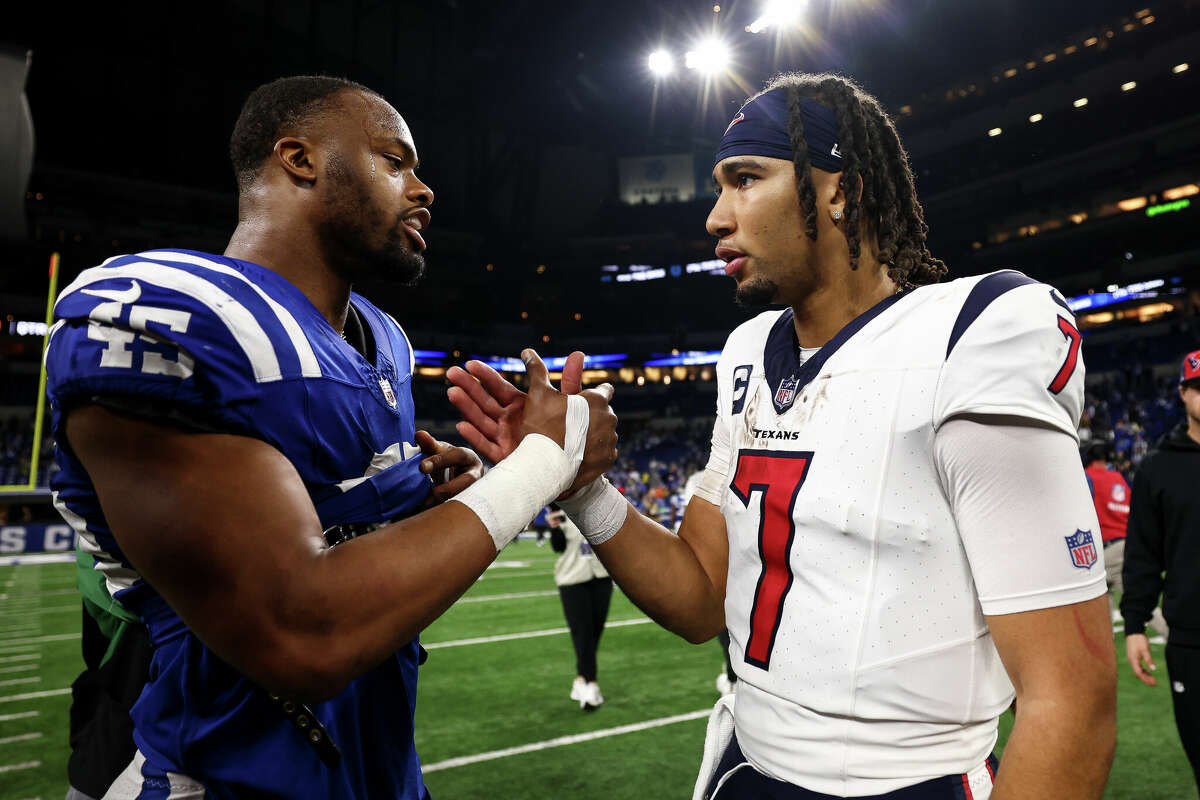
[{"x": 480, "y": 697}]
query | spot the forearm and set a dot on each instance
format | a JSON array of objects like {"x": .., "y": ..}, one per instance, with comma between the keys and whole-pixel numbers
[
  {"x": 663, "y": 575},
  {"x": 1061, "y": 749},
  {"x": 374, "y": 593}
]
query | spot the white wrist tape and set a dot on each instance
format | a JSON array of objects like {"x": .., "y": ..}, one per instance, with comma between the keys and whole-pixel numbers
[
  {"x": 511, "y": 494},
  {"x": 575, "y": 439},
  {"x": 598, "y": 509}
]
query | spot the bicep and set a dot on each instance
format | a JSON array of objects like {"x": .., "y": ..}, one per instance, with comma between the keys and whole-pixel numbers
[
  {"x": 210, "y": 521},
  {"x": 1060, "y": 651}
]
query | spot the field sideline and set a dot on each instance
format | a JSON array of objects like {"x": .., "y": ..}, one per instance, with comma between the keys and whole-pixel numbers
[{"x": 493, "y": 717}]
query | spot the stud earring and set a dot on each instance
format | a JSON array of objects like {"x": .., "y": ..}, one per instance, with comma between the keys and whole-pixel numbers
[{"x": 837, "y": 215}]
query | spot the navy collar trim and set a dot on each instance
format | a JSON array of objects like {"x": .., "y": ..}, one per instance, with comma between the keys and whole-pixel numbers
[{"x": 779, "y": 356}]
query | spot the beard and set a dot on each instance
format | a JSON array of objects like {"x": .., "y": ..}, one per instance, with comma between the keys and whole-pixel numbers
[
  {"x": 756, "y": 292},
  {"x": 349, "y": 232}
]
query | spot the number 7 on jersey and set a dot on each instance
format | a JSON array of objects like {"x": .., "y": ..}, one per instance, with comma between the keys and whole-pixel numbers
[{"x": 776, "y": 476}]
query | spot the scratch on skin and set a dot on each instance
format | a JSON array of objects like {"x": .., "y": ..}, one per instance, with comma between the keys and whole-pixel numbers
[{"x": 1094, "y": 645}]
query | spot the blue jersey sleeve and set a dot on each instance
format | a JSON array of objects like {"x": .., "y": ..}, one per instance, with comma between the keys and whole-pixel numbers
[{"x": 164, "y": 334}]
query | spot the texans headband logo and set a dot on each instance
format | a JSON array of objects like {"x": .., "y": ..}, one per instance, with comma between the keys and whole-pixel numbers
[{"x": 741, "y": 116}]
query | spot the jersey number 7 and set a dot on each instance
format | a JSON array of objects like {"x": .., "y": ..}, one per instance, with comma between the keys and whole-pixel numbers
[
  {"x": 776, "y": 476},
  {"x": 1068, "y": 367}
]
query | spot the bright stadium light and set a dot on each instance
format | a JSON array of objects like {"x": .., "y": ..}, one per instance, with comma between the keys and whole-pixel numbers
[
  {"x": 1035, "y": 117},
  {"x": 661, "y": 63},
  {"x": 995, "y": 132},
  {"x": 1128, "y": 86},
  {"x": 1178, "y": 68},
  {"x": 1080, "y": 103},
  {"x": 778, "y": 14},
  {"x": 709, "y": 57}
]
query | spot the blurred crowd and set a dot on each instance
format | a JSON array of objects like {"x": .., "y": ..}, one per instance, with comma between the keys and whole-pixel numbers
[
  {"x": 1132, "y": 409},
  {"x": 656, "y": 462},
  {"x": 16, "y": 436}
]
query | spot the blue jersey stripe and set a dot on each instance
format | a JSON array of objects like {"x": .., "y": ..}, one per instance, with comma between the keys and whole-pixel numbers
[
  {"x": 295, "y": 338},
  {"x": 981, "y": 297}
]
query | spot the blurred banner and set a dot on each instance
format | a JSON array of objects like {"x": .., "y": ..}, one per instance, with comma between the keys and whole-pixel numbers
[
  {"x": 36, "y": 538},
  {"x": 16, "y": 141},
  {"x": 657, "y": 179}
]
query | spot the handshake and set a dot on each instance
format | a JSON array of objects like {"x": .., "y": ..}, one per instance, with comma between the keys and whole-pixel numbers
[{"x": 548, "y": 444}]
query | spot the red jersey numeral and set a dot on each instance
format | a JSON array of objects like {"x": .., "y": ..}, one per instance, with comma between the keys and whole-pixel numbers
[
  {"x": 776, "y": 477},
  {"x": 1068, "y": 368}
]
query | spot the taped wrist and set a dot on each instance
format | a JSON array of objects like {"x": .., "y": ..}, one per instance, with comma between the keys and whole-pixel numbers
[
  {"x": 575, "y": 432},
  {"x": 511, "y": 494},
  {"x": 598, "y": 510}
]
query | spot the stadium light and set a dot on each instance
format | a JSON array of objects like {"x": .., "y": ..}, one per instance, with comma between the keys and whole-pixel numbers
[
  {"x": 1035, "y": 117},
  {"x": 995, "y": 132},
  {"x": 779, "y": 14},
  {"x": 709, "y": 57},
  {"x": 1178, "y": 68},
  {"x": 1080, "y": 103},
  {"x": 661, "y": 63},
  {"x": 1128, "y": 86},
  {"x": 1176, "y": 192}
]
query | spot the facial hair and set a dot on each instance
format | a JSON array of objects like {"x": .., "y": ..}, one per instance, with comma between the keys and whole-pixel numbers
[
  {"x": 352, "y": 223},
  {"x": 756, "y": 292}
]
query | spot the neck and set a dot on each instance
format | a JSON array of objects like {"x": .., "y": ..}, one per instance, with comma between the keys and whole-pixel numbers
[
  {"x": 821, "y": 313},
  {"x": 293, "y": 251},
  {"x": 1193, "y": 429}
]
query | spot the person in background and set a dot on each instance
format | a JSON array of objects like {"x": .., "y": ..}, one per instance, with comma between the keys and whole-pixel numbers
[
  {"x": 1110, "y": 495},
  {"x": 116, "y": 655},
  {"x": 1164, "y": 537},
  {"x": 585, "y": 589}
]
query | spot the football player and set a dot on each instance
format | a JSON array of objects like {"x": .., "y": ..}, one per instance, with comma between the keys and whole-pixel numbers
[
  {"x": 239, "y": 455},
  {"x": 893, "y": 524}
]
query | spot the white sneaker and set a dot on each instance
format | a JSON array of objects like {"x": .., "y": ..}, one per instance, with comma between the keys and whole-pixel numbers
[
  {"x": 592, "y": 699},
  {"x": 579, "y": 690},
  {"x": 724, "y": 685}
]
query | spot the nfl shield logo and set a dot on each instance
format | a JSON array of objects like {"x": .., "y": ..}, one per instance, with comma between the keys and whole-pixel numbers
[
  {"x": 786, "y": 393},
  {"x": 388, "y": 394},
  {"x": 1083, "y": 549}
]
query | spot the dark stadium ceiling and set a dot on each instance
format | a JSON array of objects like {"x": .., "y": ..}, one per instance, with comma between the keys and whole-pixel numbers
[{"x": 151, "y": 89}]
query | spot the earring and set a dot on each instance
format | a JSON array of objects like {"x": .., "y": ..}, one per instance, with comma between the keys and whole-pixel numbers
[{"x": 837, "y": 215}]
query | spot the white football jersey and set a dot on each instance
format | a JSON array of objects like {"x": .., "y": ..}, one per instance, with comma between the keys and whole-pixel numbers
[{"x": 855, "y": 614}]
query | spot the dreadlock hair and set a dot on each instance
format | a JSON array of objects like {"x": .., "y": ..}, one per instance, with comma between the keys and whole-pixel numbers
[
  {"x": 871, "y": 150},
  {"x": 275, "y": 109}
]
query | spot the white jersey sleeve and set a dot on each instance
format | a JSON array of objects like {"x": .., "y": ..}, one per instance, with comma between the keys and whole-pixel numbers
[
  {"x": 715, "y": 477},
  {"x": 1024, "y": 513},
  {"x": 1014, "y": 350}
]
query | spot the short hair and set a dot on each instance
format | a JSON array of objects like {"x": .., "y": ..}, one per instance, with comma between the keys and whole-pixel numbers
[
  {"x": 1097, "y": 450},
  {"x": 871, "y": 149},
  {"x": 274, "y": 109}
]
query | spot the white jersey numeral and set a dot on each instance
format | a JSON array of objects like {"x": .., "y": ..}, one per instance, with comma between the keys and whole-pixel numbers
[{"x": 118, "y": 354}]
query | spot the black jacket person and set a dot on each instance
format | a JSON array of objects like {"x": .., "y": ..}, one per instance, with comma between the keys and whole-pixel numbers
[{"x": 1164, "y": 537}]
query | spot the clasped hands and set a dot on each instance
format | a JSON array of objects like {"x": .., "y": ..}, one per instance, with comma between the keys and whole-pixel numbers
[{"x": 497, "y": 415}]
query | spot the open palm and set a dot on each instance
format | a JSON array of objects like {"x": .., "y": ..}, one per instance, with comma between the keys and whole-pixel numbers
[{"x": 492, "y": 408}]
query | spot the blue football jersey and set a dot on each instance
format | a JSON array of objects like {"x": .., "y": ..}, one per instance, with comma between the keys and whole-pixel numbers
[{"x": 230, "y": 346}]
